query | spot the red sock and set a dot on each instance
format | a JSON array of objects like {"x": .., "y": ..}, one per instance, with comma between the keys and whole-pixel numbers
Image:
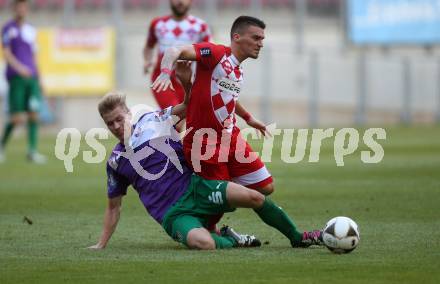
[{"x": 212, "y": 222}]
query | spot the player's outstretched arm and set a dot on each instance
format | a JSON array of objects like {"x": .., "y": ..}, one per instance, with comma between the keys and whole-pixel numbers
[
  {"x": 172, "y": 54},
  {"x": 184, "y": 74},
  {"x": 111, "y": 219},
  {"x": 250, "y": 120}
]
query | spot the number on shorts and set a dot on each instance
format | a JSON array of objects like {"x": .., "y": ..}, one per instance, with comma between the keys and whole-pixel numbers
[{"x": 216, "y": 197}]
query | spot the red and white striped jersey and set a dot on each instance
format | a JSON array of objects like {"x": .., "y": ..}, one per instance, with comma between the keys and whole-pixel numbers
[
  {"x": 216, "y": 88},
  {"x": 168, "y": 32}
]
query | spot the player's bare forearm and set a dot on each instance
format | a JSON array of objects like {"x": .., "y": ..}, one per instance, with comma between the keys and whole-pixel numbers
[
  {"x": 179, "y": 110},
  {"x": 240, "y": 110},
  {"x": 111, "y": 219},
  {"x": 187, "y": 96},
  {"x": 250, "y": 120},
  {"x": 110, "y": 222},
  {"x": 186, "y": 52},
  {"x": 172, "y": 54},
  {"x": 169, "y": 58},
  {"x": 184, "y": 75},
  {"x": 163, "y": 81}
]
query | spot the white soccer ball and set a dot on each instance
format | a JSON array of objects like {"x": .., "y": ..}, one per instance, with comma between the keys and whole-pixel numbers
[{"x": 341, "y": 235}]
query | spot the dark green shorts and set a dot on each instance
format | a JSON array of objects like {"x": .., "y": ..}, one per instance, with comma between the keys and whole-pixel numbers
[
  {"x": 24, "y": 95},
  {"x": 204, "y": 198}
]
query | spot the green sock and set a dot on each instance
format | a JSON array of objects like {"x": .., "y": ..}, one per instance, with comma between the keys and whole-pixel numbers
[
  {"x": 223, "y": 242},
  {"x": 32, "y": 136},
  {"x": 275, "y": 217},
  {"x": 7, "y": 133}
]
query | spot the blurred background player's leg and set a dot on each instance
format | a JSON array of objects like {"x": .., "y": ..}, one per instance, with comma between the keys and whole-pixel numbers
[
  {"x": 33, "y": 155},
  {"x": 17, "y": 108},
  {"x": 7, "y": 131},
  {"x": 33, "y": 106},
  {"x": 24, "y": 97}
]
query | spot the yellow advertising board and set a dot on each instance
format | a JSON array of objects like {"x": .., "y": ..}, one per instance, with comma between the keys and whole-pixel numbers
[
  {"x": 76, "y": 62},
  {"x": 3, "y": 83},
  {"x": 1, "y": 58}
]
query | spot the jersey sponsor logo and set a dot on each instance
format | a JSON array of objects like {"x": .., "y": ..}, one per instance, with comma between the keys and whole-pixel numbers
[
  {"x": 205, "y": 52},
  {"x": 229, "y": 86},
  {"x": 216, "y": 197}
]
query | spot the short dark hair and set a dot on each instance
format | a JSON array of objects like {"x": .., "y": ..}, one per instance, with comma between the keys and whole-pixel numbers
[
  {"x": 243, "y": 22},
  {"x": 20, "y": 1}
]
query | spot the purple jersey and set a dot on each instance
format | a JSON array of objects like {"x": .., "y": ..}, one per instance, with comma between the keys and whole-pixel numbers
[
  {"x": 21, "y": 41},
  {"x": 153, "y": 163}
]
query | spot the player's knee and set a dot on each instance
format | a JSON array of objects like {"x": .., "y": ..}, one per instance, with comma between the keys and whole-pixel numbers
[
  {"x": 17, "y": 120},
  {"x": 204, "y": 243},
  {"x": 200, "y": 239},
  {"x": 256, "y": 199},
  {"x": 267, "y": 189},
  {"x": 33, "y": 116}
]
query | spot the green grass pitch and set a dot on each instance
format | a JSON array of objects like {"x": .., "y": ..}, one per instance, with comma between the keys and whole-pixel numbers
[{"x": 396, "y": 204}]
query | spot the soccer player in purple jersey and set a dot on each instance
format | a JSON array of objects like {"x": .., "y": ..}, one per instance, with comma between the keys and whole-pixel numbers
[
  {"x": 149, "y": 157},
  {"x": 18, "y": 42}
]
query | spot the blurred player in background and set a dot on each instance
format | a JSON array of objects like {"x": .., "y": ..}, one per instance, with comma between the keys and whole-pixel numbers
[
  {"x": 18, "y": 42},
  {"x": 179, "y": 28}
]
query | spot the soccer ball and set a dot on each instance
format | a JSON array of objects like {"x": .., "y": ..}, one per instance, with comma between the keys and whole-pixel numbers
[{"x": 341, "y": 235}]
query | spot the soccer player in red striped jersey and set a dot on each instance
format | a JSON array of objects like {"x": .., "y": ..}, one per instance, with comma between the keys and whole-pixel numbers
[
  {"x": 179, "y": 28},
  {"x": 213, "y": 105}
]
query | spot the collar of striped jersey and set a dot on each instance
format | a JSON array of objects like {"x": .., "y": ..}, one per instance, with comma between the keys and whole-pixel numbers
[{"x": 234, "y": 60}]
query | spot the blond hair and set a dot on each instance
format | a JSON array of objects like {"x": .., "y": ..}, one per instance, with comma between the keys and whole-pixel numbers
[{"x": 111, "y": 101}]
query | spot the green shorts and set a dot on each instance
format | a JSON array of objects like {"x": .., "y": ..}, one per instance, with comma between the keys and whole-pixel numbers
[
  {"x": 24, "y": 95},
  {"x": 204, "y": 198}
]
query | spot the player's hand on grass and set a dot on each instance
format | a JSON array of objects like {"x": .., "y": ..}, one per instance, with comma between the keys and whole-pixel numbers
[
  {"x": 255, "y": 123},
  {"x": 162, "y": 82},
  {"x": 96, "y": 247}
]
